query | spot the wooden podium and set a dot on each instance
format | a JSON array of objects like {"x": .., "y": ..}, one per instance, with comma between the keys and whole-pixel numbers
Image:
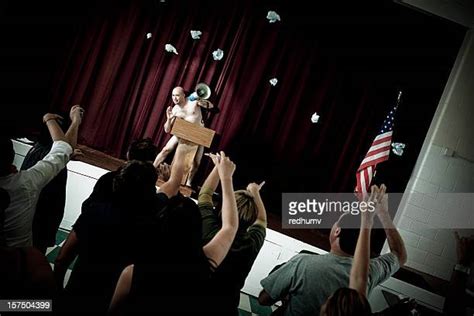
[{"x": 193, "y": 136}]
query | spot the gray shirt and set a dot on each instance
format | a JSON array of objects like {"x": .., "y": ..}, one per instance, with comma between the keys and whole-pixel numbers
[{"x": 309, "y": 279}]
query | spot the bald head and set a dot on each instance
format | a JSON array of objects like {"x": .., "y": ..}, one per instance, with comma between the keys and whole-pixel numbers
[{"x": 178, "y": 90}]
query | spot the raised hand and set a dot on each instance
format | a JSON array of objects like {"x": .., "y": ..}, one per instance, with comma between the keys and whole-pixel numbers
[
  {"x": 382, "y": 200},
  {"x": 169, "y": 113},
  {"x": 225, "y": 167},
  {"x": 372, "y": 199},
  {"x": 76, "y": 113},
  {"x": 212, "y": 156},
  {"x": 254, "y": 188}
]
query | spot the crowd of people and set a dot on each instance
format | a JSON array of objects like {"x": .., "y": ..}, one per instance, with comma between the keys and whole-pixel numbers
[{"x": 142, "y": 249}]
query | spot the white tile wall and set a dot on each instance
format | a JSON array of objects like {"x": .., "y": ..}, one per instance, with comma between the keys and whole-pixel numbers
[
  {"x": 423, "y": 230},
  {"x": 417, "y": 213},
  {"x": 405, "y": 223},
  {"x": 427, "y": 211},
  {"x": 411, "y": 239},
  {"x": 432, "y": 246},
  {"x": 416, "y": 255},
  {"x": 442, "y": 266}
]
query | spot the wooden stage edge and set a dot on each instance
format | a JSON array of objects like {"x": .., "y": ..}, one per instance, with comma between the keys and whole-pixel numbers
[{"x": 102, "y": 160}]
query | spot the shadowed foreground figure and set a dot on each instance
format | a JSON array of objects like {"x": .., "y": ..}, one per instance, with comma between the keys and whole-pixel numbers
[{"x": 176, "y": 275}]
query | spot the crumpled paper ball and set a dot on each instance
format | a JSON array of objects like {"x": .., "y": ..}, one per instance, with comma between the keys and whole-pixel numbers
[
  {"x": 315, "y": 117},
  {"x": 148, "y": 35},
  {"x": 196, "y": 34},
  {"x": 171, "y": 49},
  {"x": 397, "y": 148},
  {"x": 273, "y": 81},
  {"x": 218, "y": 54},
  {"x": 272, "y": 16}
]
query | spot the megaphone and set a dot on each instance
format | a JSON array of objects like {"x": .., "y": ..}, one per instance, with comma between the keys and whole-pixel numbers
[{"x": 202, "y": 91}]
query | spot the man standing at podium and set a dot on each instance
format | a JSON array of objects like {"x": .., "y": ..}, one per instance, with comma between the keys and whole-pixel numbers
[{"x": 189, "y": 111}]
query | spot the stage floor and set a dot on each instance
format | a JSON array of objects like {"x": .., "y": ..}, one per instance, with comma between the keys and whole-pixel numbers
[{"x": 102, "y": 160}]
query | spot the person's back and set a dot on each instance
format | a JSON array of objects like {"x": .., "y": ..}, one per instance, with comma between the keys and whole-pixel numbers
[
  {"x": 108, "y": 237},
  {"x": 315, "y": 277},
  {"x": 142, "y": 150},
  {"x": 229, "y": 277},
  {"x": 104, "y": 250},
  {"x": 179, "y": 276},
  {"x": 25, "y": 186},
  {"x": 306, "y": 281},
  {"x": 176, "y": 288}
]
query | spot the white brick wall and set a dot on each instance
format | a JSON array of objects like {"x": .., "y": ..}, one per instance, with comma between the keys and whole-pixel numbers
[{"x": 426, "y": 212}]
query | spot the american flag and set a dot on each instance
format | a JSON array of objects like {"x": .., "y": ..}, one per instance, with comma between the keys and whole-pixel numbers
[{"x": 378, "y": 152}]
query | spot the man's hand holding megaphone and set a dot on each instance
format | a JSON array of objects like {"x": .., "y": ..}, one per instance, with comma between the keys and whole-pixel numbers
[{"x": 205, "y": 104}]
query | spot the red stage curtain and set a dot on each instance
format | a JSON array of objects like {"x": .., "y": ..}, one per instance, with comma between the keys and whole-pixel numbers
[{"x": 336, "y": 66}]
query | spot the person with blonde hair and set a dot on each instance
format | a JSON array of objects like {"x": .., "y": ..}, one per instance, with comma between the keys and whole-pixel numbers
[{"x": 229, "y": 277}]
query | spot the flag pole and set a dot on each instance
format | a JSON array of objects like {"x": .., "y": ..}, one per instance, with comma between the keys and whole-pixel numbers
[
  {"x": 399, "y": 98},
  {"x": 396, "y": 106}
]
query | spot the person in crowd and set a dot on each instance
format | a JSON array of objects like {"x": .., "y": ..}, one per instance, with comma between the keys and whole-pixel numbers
[
  {"x": 114, "y": 229},
  {"x": 352, "y": 300},
  {"x": 104, "y": 239},
  {"x": 292, "y": 284},
  {"x": 24, "y": 187},
  {"x": 141, "y": 150},
  {"x": 229, "y": 277},
  {"x": 52, "y": 199},
  {"x": 179, "y": 277},
  {"x": 24, "y": 270}
]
